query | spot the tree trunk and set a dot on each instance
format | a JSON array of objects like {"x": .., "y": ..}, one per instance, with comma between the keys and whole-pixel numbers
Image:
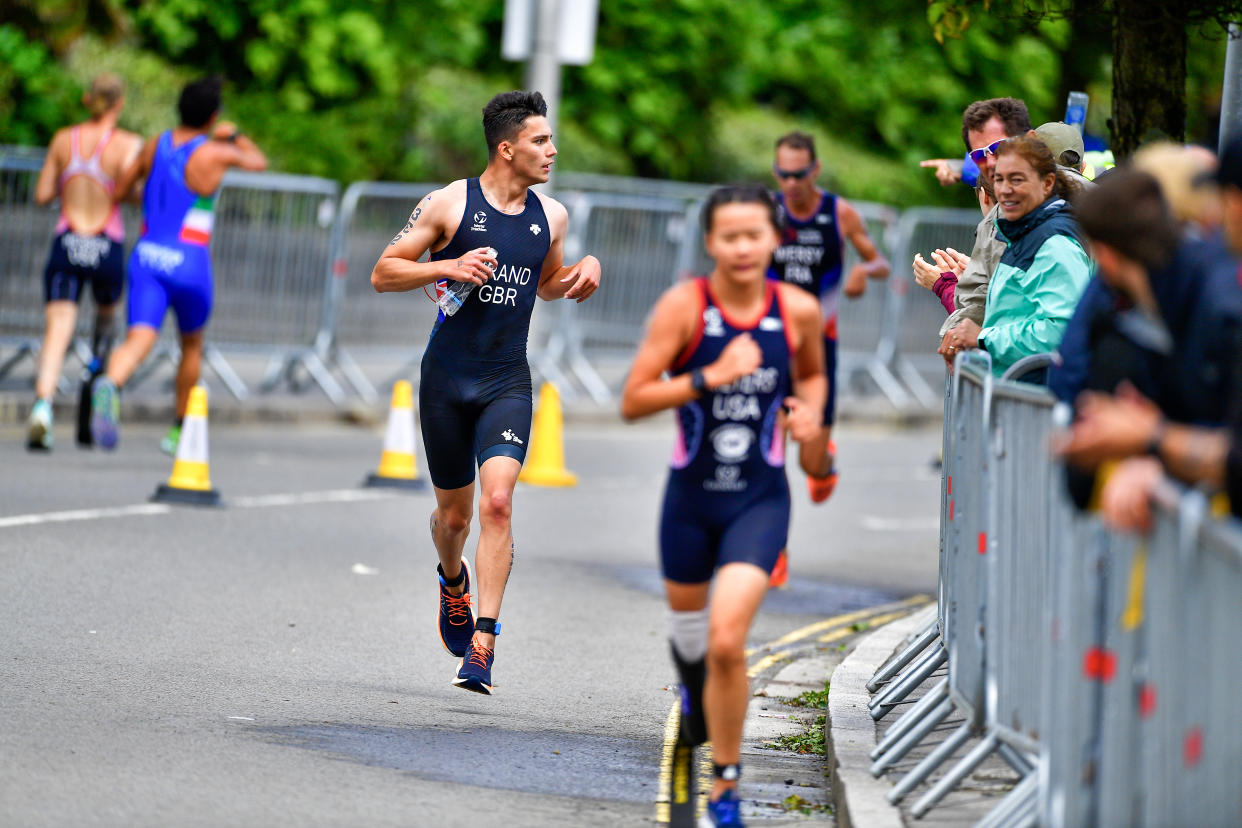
[{"x": 1149, "y": 74}]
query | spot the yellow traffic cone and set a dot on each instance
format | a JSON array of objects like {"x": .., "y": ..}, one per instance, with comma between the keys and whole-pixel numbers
[
  {"x": 190, "y": 481},
  {"x": 397, "y": 468},
  {"x": 546, "y": 464}
]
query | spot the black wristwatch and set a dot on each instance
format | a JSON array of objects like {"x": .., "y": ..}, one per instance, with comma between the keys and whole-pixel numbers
[{"x": 698, "y": 382}]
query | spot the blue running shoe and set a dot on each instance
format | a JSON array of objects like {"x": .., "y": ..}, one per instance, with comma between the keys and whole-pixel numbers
[
  {"x": 39, "y": 436},
  {"x": 456, "y": 619},
  {"x": 724, "y": 811},
  {"x": 475, "y": 671},
  {"x": 106, "y": 414}
]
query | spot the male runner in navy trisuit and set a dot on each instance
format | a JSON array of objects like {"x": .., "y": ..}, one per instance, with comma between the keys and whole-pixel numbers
[
  {"x": 495, "y": 233},
  {"x": 812, "y": 256}
]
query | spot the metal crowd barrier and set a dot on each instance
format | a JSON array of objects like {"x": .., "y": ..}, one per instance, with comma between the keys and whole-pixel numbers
[
  {"x": 919, "y": 314},
  {"x": 1103, "y": 668},
  {"x": 291, "y": 282}
]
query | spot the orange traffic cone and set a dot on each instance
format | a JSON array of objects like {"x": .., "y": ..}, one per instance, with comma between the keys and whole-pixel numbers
[
  {"x": 397, "y": 468},
  {"x": 190, "y": 481},
  {"x": 546, "y": 464}
]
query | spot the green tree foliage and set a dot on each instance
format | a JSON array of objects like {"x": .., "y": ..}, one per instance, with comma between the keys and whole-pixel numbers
[{"x": 691, "y": 89}]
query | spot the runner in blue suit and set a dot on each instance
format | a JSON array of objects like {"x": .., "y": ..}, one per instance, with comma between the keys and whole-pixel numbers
[{"x": 741, "y": 359}]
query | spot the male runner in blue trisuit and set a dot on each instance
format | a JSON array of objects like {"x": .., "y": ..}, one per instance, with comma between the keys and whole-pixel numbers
[
  {"x": 171, "y": 264},
  {"x": 812, "y": 256},
  {"x": 497, "y": 234}
]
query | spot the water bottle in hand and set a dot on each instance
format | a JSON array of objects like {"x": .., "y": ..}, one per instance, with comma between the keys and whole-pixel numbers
[{"x": 456, "y": 292}]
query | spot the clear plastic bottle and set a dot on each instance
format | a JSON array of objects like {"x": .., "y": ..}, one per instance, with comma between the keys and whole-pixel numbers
[{"x": 455, "y": 293}]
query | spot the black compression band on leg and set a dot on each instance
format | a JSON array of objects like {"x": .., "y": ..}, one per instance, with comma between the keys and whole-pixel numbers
[
  {"x": 102, "y": 339},
  {"x": 728, "y": 773},
  {"x": 452, "y": 582},
  {"x": 487, "y": 625}
]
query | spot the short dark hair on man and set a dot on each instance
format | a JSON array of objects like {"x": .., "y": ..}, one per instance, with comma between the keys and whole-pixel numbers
[
  {"x": 199, "y": 101},
  {"x": 1127, "y": 211},
  {"x": 1011, "y": 111},
  {"x": 740, "y": 194},
  {"x": 797, "y": 140},
  {"x": 506, "y": 114}
]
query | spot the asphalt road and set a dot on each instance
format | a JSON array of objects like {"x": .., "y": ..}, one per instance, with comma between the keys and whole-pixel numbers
[{"x": 275, "y": 662}]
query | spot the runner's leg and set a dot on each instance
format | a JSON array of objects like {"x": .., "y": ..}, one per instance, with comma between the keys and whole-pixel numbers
[
  {"x": 61, "y": 316},
  {"x": 739, "y": 590},
  {"x": 493, "y": 559}
]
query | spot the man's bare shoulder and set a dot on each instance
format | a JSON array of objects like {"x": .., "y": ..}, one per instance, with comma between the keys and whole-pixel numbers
[
  {"x": 797, "y": 302},
  {"x": 553, "y": 209}
]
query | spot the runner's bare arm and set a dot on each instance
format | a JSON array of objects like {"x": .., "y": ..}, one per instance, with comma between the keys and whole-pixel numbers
[
  {"x": 853, "y": 229},
  {"x": 48, "y": 185},
  {"x": 810, "y": 384},
  {"x": 669, "y": 329},
  {"x": 431, "y": 224},
  {"x": 235, "y": 149},
  {"x": 556, "y": 281},
  {"x": 136, "y": 171}
]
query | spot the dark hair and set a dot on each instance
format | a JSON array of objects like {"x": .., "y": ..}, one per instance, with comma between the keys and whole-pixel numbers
[
  {"x": 1127, "y": 211},
  {"x": 199, "y": 101},
  {"x": 1011, "y": 111},
  {"x": 505, "y": 114},
  {"x": 797, "y": 140},
  {"x": 1037, "y": 154},
  {"x": 740, "y": 194}
]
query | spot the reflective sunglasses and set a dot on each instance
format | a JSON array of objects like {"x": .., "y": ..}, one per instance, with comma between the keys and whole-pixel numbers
[
  {"x": 977, "y": 155},
  {"x": 802, "y": 173}
]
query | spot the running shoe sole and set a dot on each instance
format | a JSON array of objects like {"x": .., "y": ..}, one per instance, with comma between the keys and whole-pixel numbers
[
  {"x": 473, "y": 684},
  {"x": 39, "y": 438},
  {"x": 105, "y": 429}
]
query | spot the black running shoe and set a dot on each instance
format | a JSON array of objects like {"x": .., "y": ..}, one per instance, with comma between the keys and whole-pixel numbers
[{"x": 456, "y": 620}]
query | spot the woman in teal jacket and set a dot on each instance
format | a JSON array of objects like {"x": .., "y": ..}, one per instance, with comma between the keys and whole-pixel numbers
[{"x": 1045, "y": 268}]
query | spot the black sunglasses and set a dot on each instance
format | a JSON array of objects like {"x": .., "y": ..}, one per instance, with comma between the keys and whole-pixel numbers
[{"x": 802, "y": 173}]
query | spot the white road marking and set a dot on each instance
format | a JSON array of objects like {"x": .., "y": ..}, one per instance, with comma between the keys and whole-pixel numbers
[
  {"x": 145, "y": 509},
  {"x": 85, "y": 514},
  {"x": 880, "y": 524}
]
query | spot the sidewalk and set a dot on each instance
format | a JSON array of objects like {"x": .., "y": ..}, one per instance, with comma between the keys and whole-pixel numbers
[{"x": 860, "y": 799}]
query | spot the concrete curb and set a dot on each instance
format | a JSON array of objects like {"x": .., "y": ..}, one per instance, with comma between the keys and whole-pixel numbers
[{"x": 858, "y": 797}]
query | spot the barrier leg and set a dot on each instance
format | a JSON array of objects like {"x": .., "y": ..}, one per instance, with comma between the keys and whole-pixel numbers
[
  {"x": 911, "y": 717},
  {"x": 1019, "y": 807},
  {"x": 929, "y": 764},
  {"x": 888, "y": 384},
  {"x": 954, "y": 777},
  {"x": 24, "y": 349},
  {"x": 908, "y": 683},
  {"x": 916, "y": 734},
  {"x": 354, "y": 376},
  {"x": 895, "y": 664},
  {"x": 917, "y": 385},
  {"x": 225, "y": 372},
  {"x": 321, "y": 375},
  {"x": 1015, "y": 759},
  {"x": 892, "y": 687}
]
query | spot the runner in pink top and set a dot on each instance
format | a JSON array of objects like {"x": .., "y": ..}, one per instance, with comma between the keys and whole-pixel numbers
[{"x": 81, "y": 168}]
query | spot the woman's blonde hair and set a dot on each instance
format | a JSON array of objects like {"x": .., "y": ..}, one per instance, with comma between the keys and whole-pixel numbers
[
  {"x": 1177, "y": 167},
  {"x": 105, "y": 90}
]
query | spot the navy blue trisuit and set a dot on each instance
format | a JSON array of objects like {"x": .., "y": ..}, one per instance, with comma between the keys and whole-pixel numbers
[
  {"x": 727, "y": 498},
  {"x": 475, "y": 393},
  {"x": 812, "y": 256}
]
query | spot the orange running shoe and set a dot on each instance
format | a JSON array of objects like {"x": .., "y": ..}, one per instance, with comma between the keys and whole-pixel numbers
[
  {"x": 780, "y": 573},
  {"x": 821, "y": 488}
]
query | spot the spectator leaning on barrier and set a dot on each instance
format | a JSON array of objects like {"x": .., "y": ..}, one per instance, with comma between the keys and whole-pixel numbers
[
  {"x": 1043, "y": 271},
  {"x": 1163, "y": 316},
  {"x": 1209, "y": 456},
  {"x": 941, "y": 275},
  {"x": 985, "y": 125}
]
